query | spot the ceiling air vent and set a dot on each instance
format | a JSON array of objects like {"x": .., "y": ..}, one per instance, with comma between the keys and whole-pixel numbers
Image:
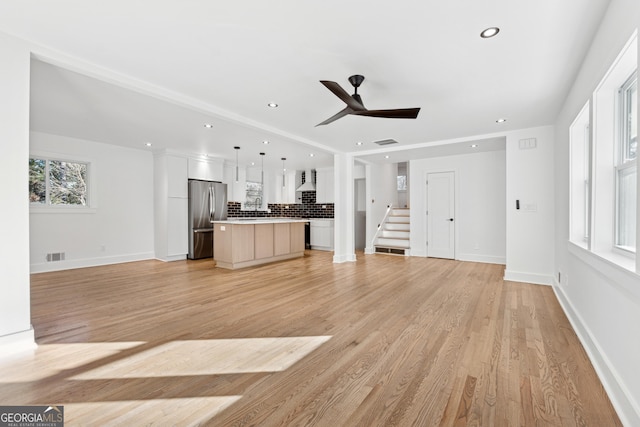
[{"x": 386, "y": 142}]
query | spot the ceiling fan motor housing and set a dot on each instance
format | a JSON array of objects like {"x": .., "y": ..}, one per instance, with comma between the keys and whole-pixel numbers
[{"x": 356, "y": 80}]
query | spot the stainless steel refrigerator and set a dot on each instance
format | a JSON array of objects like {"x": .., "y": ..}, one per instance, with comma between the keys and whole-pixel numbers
[{"x": 207, "y": 202}]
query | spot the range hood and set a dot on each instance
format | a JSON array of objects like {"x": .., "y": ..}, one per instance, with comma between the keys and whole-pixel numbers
[{"x": 308, "y": 184}]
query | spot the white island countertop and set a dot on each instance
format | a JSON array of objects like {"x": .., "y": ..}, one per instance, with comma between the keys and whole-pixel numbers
[{"x": 259, "y": 220}]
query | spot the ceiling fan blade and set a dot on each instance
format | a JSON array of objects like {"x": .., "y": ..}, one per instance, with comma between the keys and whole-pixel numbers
[
  {"x": 343, "y": 95},
  {"x": 336, "y": 116},
  {"x": 399, "y": 113}
]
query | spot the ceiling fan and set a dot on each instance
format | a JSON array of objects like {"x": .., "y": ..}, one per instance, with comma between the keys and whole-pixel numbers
[{"x": 356, "y": 107}]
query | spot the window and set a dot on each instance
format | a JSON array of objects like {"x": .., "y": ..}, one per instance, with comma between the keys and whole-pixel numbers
[
  {"x": 58, "y": 182},
  {"x": 603, "y": 165},
  {"x": 402, "y": 183},
  {"x": 580, "y": 185},
  {"x": 402, "y": 176},
  {"x": 254, "y": 196},
  {"x": 626, "y": 168}
]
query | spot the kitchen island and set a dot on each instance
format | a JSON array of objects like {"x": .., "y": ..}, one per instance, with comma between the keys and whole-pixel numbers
[{"x": 245, "y": 242}]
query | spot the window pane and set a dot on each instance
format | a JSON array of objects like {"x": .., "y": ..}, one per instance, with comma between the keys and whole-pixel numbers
[
  {"x": 37, "y": 184},
  {"x": 402, "y": 183},
  {"x": 627, "y": 208},
  {"x": 633, "y": 120},
  {"x": 68, "y": 183},
  {"x": 630, "y": 112}
]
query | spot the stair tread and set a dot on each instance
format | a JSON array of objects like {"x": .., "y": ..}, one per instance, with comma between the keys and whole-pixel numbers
[{"x": 395, "y": 232}]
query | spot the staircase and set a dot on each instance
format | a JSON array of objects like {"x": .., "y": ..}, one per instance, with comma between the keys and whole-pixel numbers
[{"x": 393, "y": 236}]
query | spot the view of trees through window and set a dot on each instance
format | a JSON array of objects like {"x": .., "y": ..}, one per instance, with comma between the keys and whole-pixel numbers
[
  {"x": 254, "y": 196},
  {"x": 56, "y": 182}
]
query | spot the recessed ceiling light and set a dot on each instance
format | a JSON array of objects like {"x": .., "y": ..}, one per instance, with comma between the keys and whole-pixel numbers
[
  {"x": 272, "y": 105},
  {"x": 208, "y": 125},
  {"x": 311, "y": 155},
  {"x": 501, "y": 120},
  {"x": 266, "y": 141},
  {"x": 490, "y": 32},
  {"x": 386, "y": 157},
  {"x": 359, "y": 143},
  {"x": 474, "y": 145},
  {"x": 148, "y": 144},
  {"x": 253, "y": 163}
]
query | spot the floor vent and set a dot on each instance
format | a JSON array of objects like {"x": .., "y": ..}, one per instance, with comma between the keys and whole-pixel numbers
[
  {"x": 55, "y": 256},
  {"x": 386, "y": 142},
  {"x": 392, "y": 251}
]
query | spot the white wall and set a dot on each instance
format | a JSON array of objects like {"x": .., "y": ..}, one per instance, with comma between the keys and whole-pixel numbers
[
  {"x": 602, "y": 301},
  {"x": 15, "y": 310},
  {"x": 480, "y": 204},
  {"x": 530, "y": 230},
  {"x": 382, "y": 190},
  {"x": 119, "y": 229}
]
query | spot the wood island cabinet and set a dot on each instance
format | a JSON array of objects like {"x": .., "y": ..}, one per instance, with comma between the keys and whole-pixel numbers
[
  {"x": 264, "y": 240},
  {"x": 242, "y": 243}
]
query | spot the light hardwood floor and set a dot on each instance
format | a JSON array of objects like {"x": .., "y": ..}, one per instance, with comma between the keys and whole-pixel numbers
[{"x": 384, "y": 341}]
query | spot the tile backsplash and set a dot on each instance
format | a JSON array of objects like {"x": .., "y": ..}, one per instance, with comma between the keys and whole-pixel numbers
[{"x": 307, "y": 209}]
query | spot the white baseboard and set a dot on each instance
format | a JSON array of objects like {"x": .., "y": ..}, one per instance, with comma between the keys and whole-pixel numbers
[
  {"x": 627, "y": 410},
  {"x": 172, "y": 258},
  {"x": 337, "y": 259},
  {"x": 17, "y": 342},
  {"x": 537, "y": 279},
  {"x": 487, "y": 259},
  {"x": 89, "y": 262},
  {"x": 369, "y": 250}
]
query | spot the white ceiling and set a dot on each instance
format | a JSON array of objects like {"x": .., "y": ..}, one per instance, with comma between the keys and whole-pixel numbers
[{"x": 171, "y": 66}]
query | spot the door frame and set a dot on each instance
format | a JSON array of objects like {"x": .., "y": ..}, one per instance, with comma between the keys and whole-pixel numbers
[{"x": 456, "y": 204}]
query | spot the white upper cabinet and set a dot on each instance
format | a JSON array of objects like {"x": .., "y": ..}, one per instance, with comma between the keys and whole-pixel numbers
[
  {"x": 324, "y": 185},
  {"x": 208, "y": 169}
]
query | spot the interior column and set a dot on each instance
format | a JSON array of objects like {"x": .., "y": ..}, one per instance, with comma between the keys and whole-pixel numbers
[
  {"x": 344, "y": 239},
  {"x": 15, "y": 303}
]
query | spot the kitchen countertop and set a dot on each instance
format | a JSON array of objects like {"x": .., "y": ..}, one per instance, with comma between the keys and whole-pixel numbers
[{"x": 259, "y": 220}]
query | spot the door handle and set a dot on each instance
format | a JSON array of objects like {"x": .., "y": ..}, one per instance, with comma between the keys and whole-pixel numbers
[
  {"x": 450, "y": 219},
  {"x": 212, "y": 206}
]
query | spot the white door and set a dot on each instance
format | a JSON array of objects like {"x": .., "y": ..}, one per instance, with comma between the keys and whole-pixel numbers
[{"x": 440, "y": 215}]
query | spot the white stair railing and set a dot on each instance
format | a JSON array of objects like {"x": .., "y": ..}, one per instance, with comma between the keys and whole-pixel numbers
[{"x": 379, "y": 230}]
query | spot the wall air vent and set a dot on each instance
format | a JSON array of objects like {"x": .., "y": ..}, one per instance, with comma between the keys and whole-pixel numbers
[
  {"x": 55, "y": 256},
  {"x": 527, "y": 144},
  {"x": 386, "y": 142}
]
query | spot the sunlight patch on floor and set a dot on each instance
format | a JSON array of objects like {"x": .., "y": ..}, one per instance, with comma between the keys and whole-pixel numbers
[
  {"x": 50, "y": 359},
  {"x": 157, "y": 412},
  {"x": 210, "y": 357}
]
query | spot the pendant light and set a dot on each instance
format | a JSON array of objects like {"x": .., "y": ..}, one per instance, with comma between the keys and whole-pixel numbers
[
  {"x": 262, "y": 170},
  {"x": 236, "y": 148},
  {"x": 283, "y": 170}
]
